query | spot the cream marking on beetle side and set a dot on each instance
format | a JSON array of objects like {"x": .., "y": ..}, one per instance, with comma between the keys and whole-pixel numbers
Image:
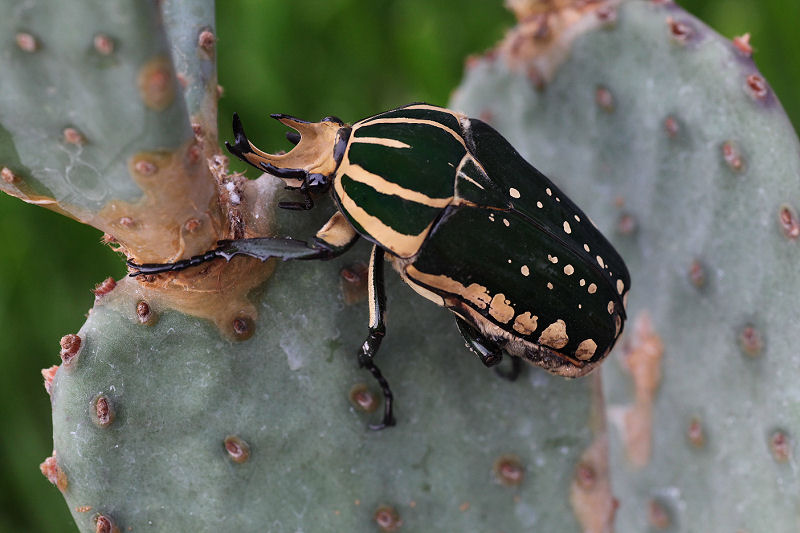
[
  {"x": 569, "y": 270},
  {"x": 525, "y": 323},
  {"x": 373, "y": 308},
  {"x": 382, "y": 141},
  {"x": 514, "y": 193},
  {"x": 501, "y": 309},
  {"x": 600, "y": 262},
  {"x": 586, "y": 350},
  {"x": 617, "y": 325},
  {"x": 506, "y": 222},
  {"x": 509, "y": 261},
  {"x": 577, "y": 218},
  {"x": 525, "y": 270},
  {"x": 625, "y": 301},
  {"x": 549, "y": 285},
  {"x": 491, "y": 217},
  {"x": 555, "y": 335},
  {"x": 422, "y": 291},
  {"x": 539, "y": 205},
  {"x": 398, "y": 120},
  {"x": 384, "y": 186},
  {"x": 620, "y": 286},
  {"x": 582, "y": 282},
  {"x": 337, "y": 231},
  {"x": 558, "y": 199},
  {"x": 548, "y": 191},
  {"x": 567, "y": 228},
  {"x": 592, "y": 288},
  {"x": 552, "y": 259},
  {"x": 611, "y": 307},
  {"x": 399, "y": 243},
  {"x": 477, "y": 294},
  {"x": 586, "y": 247}
]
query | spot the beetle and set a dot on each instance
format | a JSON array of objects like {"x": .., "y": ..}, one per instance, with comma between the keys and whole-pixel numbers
[{"x": 466, "y": 222}]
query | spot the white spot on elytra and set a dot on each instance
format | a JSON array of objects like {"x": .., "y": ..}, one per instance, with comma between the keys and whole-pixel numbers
[
  {"x": 600, "y": 262},
  {"x": 514, "y": 193},
  {"x": 539, "y": 205},
  {"x": 552, "y": 259},
  {"x": 506, "y": 222},
  {"x": 577, "y": 218},
  {"x": 548, "y": 191},
  {"x": 569, "y": 270},
  {"x": 549, "y": 285},
  {"x": 525, "y": 270},
  {"x": 582, "y": 282},
  {"x": 586, "y": 247},
  {"x": 567, "y": 229},
  {"x": 509, "y": 261},
  {"x": 620, "y": 286},
  {"x": 592, "y": 288},
  {"x": 611, "y": 307}
]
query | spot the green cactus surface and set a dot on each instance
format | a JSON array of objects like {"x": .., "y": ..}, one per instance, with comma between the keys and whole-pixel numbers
[{"x": 679, "y": 149}]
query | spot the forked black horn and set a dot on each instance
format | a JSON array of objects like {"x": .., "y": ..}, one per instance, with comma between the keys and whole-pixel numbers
[{"x": 241, "y": 144}]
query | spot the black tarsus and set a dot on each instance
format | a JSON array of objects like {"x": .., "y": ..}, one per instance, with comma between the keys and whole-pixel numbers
[{"x": 377, "y": 330}]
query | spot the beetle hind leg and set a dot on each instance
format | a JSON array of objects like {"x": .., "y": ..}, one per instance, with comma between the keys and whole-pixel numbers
[{"x": 377, "y": 330}]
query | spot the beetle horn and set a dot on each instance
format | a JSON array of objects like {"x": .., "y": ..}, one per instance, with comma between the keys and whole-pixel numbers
[{"x": 313, "y": 153}]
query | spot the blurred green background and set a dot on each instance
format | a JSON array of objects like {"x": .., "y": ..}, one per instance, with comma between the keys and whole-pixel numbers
[{"x": 309, "y": 58}]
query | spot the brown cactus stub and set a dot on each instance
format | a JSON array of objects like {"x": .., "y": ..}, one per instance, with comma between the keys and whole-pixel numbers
[
  {"x": 680, "y": 31},
  {"x": 206, "y": 41},
  {"x": 387, "y": 518},
  {"x": 354, "y": 283},
  {"x": 48, "y": 374},
  {"x": 104, "y": 524},
  {"x": 742, "y": 44},
  {"x": 243, "y": 327},
  {"x": 27, "y": 42},
  {"x": 780, "y": 446},
  {"x": 604, "y": 98},
  {"x": 8, "y": 175},
  {"x": 657, "y": 515},
  {"x": 626, "y": 224},
  {"x": 156, "y": 84},
  {"x": 54, "y": 473},
  {"x": 697, "y": 274},
  {"x": 695, "y": 433},
  {"x": 790, "y": 225},
  {"x": 238, "y": 450},
  {"x": 104, "y": 287},
  {"x": 750, "y": 341},
  {"x": 70, "y": 347},
  {"x": 508, "y": 470},
  {"x": 671, "y": 126},
  {"x": 103, "y": 44},
  {"x": 73, "y": 136},
  {"x": 757, "y": 87},
  {"x": 362, "y": 398},
  {"x": 732, "y": 156},
  {"x": 102, "y": 411}
]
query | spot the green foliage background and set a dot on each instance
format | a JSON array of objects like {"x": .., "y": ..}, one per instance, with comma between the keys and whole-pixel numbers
[{"x": 309, "y": 58}]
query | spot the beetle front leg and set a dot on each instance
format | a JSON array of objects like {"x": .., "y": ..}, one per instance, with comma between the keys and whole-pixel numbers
[{"x": 377, "y": 329}]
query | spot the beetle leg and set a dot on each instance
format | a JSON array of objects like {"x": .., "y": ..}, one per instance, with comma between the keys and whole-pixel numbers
[
  {"x": 377, "y": 329},
  {"x": 489, "y": 352},
  {"x": 335, "y": 238},
  {"x": 305, "y": 205}
]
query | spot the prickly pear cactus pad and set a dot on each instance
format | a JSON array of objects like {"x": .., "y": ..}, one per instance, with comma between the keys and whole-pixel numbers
[
  {"x": 680, "y": 151},
  {"x": 93, "y": 125}
]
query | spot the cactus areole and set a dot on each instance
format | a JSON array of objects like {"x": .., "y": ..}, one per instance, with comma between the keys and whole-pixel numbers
[{"x": 467, "y": 223}]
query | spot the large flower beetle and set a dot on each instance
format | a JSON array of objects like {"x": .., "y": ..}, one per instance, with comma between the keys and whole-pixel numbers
[{"x": 464, "y": 220}]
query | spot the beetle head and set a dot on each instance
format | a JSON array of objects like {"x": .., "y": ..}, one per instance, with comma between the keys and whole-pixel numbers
[{"x": 309, "y": 164}]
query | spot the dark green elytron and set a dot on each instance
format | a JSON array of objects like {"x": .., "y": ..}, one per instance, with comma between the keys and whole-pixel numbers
[{"x": 466, "y": 222}]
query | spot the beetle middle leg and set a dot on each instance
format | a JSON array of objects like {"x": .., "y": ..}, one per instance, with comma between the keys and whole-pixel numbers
[{"x": 377, "y": 330}]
